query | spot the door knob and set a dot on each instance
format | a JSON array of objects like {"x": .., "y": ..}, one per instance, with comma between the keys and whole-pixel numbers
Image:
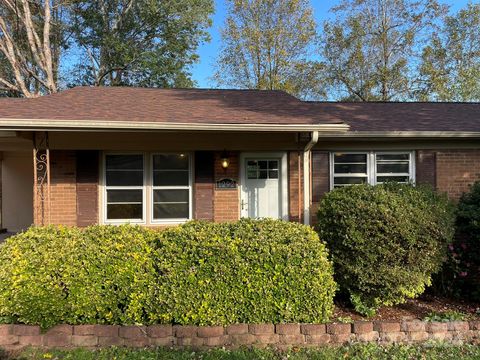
[{"x": 243, "y": 203}]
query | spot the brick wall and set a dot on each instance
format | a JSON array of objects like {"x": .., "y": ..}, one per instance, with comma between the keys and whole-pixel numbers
[
  {"x": 63, "y": 189},
  {"x": 226, "y": 202},
  {"x": 320, "y": 180},
  {"x": 204, "y": 185},
  {"x": 281, "y": 335},
  {"x": 457, "y": 170},
  {"x": 87, "y": 187},
  {"x": 295, "y": 186}
]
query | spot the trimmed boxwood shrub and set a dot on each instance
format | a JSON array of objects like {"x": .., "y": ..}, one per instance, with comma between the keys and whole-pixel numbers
[
  {"x": 103, "y": 275},
  {"x": 199, "y": 273},
  {"x": 386, "y": 241},
  {"x": 251, "y": 271}
]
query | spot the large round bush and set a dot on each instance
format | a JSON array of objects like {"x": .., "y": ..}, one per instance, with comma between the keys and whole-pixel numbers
[
  {"x": 53, "y": 275},
  {"x": 386, "y": 241},
  {"x": 251, "y": 271}
]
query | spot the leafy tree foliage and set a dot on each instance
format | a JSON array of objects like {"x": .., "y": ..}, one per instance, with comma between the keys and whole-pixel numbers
[
  {"x": 451, "y": 61},
  {"x": 266, "y": 44},
  {"x": 370, "y": 48},
  {"x": 142, "y": 43}
]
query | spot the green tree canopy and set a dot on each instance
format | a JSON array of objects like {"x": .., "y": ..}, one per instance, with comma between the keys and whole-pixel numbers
[
  {"x": 266, "y": 45},
  {"x": 371, "y": 48},
  {"x": 451, "y": 62}
]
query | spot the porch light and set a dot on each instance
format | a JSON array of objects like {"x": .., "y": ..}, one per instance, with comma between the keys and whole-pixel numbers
[{"x": 225, "y": 162}]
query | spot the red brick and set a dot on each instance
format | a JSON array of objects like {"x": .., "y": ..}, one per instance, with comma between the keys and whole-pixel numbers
[
  {"x": 110, "y": 341},
  {"x": 242, "y": 339},
  {"x": 294, "y": 339},
  {"x": 26, "y": 330},
  {"x": 84, "y": 330},
  {"x": 57, "y": 340},
  {"x": 161, "y": 341},
  {"x": 458, "y": 326},
  {"x": 392, "y": 337},
  {"x": 160, "y": 331},
  {"x": 216, "y": 341},
  {"x": 437, "y": 327},
  {"x": 386, "y": 326},
  {"x": 339, "y": 329},
  {"x": 313, "y": 329},
  {"x": 261, "y": 329},
  {"x": 237, "y": 329},
  {"x": 417, "y": 336},
  {"x": 340, "y": 338},
  {"x": 9, "y": 340},
  {"x": 185, "y": 331},
  {"x": 84, "y": 340},
  {"x": 368, "y": 336},
  {"x": 107, "y": 330},
  {"x": 60, "y": 329},
  {"x": 287, "y": 329},
  {"x": 210, "y": 331},
  {"x": 267, "y": 339},
  {"x": 6, "y": 330},
  {"x": 440, "y": 336},
  {"x": 31, "y": 340},
  {"x": 317, "y": 339},
  {"x": 133, "y": 332},
  {"x": 136, "y": 342},
  {"x": 474, "y": 325},
  {"x": 413, "y": 326},
  {"x": 191, "y": 341},
  {"x": 362, "y": 327}
]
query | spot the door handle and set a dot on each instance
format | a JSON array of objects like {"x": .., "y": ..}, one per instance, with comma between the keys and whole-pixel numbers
[{"x": 243, "y": 203}]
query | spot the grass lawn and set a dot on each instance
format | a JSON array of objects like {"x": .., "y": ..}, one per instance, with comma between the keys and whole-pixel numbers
[{"x": 368, "y": 351}]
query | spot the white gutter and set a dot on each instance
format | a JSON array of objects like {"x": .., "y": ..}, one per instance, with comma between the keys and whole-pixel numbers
[
  {"x": 405, "y": 134},
  {"x": 306, "y": 177},
  {"x": 78, "y": 125}
]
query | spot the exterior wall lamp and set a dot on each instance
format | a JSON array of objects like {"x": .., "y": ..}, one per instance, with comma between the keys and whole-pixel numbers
[{"x": 224, "y": 160}]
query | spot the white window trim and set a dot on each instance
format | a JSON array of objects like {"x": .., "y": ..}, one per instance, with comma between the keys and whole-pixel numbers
[
  {"x": 371, "y": 174},
  {"x": 141, "y": 221},
  {"x": 189, "y": 188}
]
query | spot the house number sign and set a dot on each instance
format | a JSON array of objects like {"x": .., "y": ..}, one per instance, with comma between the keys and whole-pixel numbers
[{"x": 226, "y": 184}]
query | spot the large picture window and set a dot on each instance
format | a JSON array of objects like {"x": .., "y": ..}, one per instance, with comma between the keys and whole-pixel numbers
[
  {"x": 352, "y": 168},
  {"x": 151, "y": 188}
]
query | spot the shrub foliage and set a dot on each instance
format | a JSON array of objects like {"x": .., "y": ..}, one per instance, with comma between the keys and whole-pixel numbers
[
  {"x": 386, "y": 241},
  {"x": 198, "y": 273}
]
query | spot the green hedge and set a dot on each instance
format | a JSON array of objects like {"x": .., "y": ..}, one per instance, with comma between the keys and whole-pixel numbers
[
  {"x": 198, "y": 273},
  {"x": 386, "y": 241},
  {"x": 250, "y": 271}
]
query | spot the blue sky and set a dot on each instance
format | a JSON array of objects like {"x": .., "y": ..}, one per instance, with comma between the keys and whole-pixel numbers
[{"x": 208, "y": 52}]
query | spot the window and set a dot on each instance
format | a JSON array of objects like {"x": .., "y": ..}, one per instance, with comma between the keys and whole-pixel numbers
[
  {"x": 147, "y": 189},
  {"x": 371, "y": 167},
  {"x": 124, "y": 187},
  {"x": 171, "y": 186},
  {"x": 262, "y": 169}
]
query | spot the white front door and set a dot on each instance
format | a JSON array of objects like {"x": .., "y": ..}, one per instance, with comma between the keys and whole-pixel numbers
[{"x": 263, "y": 183}]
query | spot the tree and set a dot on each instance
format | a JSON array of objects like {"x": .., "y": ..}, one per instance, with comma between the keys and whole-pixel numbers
[
  {"x": 371, "y": 47},
  {"x": 138, "y": 42},
  {"x": 451, "y": 62},
  {"x": 30, "y": 44},
  {"x": 266, "y": 45}
]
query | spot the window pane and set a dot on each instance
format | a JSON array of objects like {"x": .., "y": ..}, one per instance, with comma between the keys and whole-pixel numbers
[
  {"x": 124, "y": 211},
  {"x": 170, "y": 162},
  {"x": 124, "y": 196},
  {"x": 262, "y": 174},
  {"x": 170, "y": 178},
  {"x": 349, "y": 180},
  {"x": 170, "y": 211},
  {"x": 350, "y": 168},
  {"x": 401, "y": 179},
  {"x": 124, "y": 162},
  {"x": 273, "y": 174},
  {"x": 273, "y": 165},
  {"x": 394, "y": 157},
  {"x": 263, "y": 165},
  {"x": 124, "y": 178},
  {"x": 393, "y": 168},
  {"x": 350, "y": 158},
  {"x": 169, "y": 196}
]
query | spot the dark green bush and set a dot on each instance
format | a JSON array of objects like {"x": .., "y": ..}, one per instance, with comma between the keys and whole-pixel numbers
[
  {"x": 197, "y": 273},
  {"x": 251, "y": 271},
  {"x": 386, "y": 241},
  {"x": 53, "y": 275},
  {"x": 461, "y": 274}
]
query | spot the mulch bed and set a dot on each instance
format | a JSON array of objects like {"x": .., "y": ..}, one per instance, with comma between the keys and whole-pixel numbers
[{"x": 412, "y": 309}]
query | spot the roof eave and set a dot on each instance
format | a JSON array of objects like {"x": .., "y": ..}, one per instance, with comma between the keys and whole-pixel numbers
[
  {"x": 405, "y": 134},
  {"x": 94, "y": 125}
]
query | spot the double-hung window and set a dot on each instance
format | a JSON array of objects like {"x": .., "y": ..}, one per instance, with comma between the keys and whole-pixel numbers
[
  {"x": 124, "y": 182},
  {"x": 350, "y": 168},
  {"x": 171, "y": 187},
  {"x": 147, "y": 188}
]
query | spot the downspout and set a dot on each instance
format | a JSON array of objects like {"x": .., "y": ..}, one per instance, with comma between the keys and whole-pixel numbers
[{"x": 306, "y": 177}]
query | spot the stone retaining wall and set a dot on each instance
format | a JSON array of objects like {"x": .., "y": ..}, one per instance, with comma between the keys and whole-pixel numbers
[{"x": 281, "y": 335}]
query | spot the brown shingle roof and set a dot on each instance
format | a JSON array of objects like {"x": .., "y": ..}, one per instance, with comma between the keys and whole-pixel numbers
[
  {"x": 166, "y": 106},
  {"x": 406, "y": 116}
]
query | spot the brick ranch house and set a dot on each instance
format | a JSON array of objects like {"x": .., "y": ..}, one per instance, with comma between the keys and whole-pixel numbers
[{"x": 158, "y": 157}]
